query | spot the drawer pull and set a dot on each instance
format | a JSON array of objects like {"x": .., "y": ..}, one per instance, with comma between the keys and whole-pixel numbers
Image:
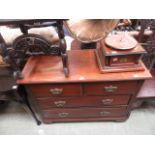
[
  {"x": 60, "y": 103},
  {"x": 110, "y": 88},
  {"x": 104, "y": 113},
  {"x": 56, "y": 91},
  {"x": 107, "y": 101},
  {"x": 63, "y": 114}
]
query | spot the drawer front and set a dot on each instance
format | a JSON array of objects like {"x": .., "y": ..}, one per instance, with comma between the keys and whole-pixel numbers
[
  {"x": 84, "y": 113},
  {"x": 48, "y": 90},
  {"x": 125, "y": 87},
  {"x": 84, "y": 101},
  {"x": 124, "y": 60}
]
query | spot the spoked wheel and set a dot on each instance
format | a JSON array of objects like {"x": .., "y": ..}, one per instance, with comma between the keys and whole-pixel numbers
[{"x": 31, "y": 44}]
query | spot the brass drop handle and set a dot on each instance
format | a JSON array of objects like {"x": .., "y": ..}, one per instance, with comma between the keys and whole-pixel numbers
[
  {"x": 110, "y": 88},
  {"x": 56, "y": 91},
  {"x": 107, "y": 101},
  {"x": 104, "y": 113},
  {"x": 59, "y": 103},
  {"x": 63, "y": 114}
]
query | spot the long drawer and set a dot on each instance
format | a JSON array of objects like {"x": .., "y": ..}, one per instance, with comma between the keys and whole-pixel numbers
[
  {"x": 125, "y": 87},
  {"x": 49, "y": 90},
  {"x": 84, "y": 113},
  {"x": 83, "y": 101}
]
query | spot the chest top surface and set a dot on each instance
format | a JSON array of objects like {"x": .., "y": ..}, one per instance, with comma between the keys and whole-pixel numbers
[
  {"x": 138, "y": 49},
  {"x": 82, "y": 66}
]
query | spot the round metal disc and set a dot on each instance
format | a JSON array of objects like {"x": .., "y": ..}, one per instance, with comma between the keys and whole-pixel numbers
[{"x": 120, "y": 41}]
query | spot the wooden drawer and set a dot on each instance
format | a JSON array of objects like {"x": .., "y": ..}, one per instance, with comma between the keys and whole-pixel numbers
[
  {"x": 84, "y": 101},
  {"x": 125, "y": 87},
  {"x": 48, "y": 90},
  {"x": 84, "y": 113}
]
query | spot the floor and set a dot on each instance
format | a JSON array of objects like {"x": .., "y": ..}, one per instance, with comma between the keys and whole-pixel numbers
[{"x": 15, "y": 120}]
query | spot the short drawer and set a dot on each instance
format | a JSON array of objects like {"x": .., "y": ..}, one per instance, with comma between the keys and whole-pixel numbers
[
  {"x": 83, "y": 101},
  {"x": 84, "y": 113},
  {"x": 48, "y": 90},
  {"x": 125, "y": 87}
]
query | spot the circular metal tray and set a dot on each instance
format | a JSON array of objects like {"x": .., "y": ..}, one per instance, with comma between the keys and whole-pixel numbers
[{"x": 120, "y": 41}]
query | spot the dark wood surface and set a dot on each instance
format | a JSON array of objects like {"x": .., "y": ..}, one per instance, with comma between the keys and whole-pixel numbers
[
  {"x": 45, "y": 90},
  {"x": 113, "y": 52},
  {"x": 83, "y": 68},
  {"x": 84, "y": 113},
  {"x": 83, "y": 101},
  {"x": 25, "y": 21},
  {"x": 117, "y": 88},
  {"x": 86, "y": 95},
  {"x": 107, "y": 65},
  {"x": 112, "y": 60},
  {"x": 87, "y": 119}
]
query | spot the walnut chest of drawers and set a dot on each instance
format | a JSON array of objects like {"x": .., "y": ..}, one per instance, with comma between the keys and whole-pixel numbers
[{"x": 86, "y": 95}]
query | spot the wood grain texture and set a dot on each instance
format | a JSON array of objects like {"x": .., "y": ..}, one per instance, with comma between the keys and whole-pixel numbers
[
  {"x": 44, "y": 90},
  {"x": 86, "y": 95},
  {"x": 87, "y": 119},
  {"x": 83, "y": 68},
  {"x": 112, "y": 60},
  {"x": 108, "y": 51},
  {"x": 118, "y": 88},
  {"x": 83, "y": 101},
  {"x": 84, "y": 113}
]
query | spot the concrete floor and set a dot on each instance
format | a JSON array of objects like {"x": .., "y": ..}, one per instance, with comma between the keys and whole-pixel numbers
[{"x": 14, "y": 120}]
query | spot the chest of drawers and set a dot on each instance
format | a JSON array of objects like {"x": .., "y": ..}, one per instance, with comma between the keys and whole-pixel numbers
[{"x": 86, "y": 95}]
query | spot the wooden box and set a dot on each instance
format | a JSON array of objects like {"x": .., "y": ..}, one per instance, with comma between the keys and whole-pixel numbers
[{"x": 112, "y": 60}]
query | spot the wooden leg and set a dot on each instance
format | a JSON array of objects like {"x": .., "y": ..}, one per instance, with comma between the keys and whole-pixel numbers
[
  {"x": 65, "y": 64},
  {"x": 63, "y": 47},
  {"x": 21, "y": 98},
  {"x": 29, "y": 109}
]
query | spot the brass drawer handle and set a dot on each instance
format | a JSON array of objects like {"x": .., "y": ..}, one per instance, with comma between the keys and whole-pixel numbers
[
  {"x": 63, "y": 114},
  {"x": 105, "y": 113},
  {"x": 110, "y": 88},
  {"x": 59, "y": 103},
  {"x": 107, "y": 101},
  {"x": 56, "y": 91}
]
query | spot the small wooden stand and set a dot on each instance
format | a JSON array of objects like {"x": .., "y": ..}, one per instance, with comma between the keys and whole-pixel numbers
[{"x": 29, "y": 44}]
